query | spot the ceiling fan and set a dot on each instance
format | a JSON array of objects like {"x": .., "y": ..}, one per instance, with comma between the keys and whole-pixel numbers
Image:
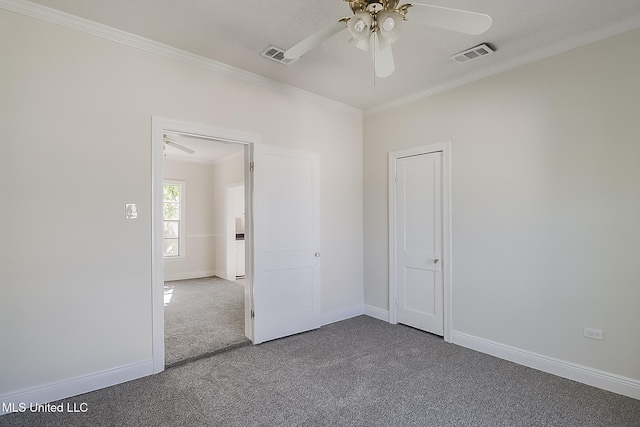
[
  {"x": 169, "y": 141},
  {"x": 376, "y": 24}
]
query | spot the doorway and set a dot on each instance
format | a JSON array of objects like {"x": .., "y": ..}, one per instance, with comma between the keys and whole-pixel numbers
[
  {"x": 188, "y": 136},
  {"x": 203, "y": 228},
  {"x": 282, "y": 236},
  {"x": 420, "y": 238}
]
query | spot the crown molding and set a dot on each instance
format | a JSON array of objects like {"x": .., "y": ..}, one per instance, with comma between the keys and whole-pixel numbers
[
  {"x": 80, "y": 24},
  {"x": 527, "y": 58}
]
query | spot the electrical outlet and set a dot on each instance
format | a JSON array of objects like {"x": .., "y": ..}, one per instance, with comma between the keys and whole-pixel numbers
[{"x": 595, "y": 334}]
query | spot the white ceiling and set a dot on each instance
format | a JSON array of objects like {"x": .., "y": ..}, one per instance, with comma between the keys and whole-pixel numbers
[{"x": 236, "y": 32}]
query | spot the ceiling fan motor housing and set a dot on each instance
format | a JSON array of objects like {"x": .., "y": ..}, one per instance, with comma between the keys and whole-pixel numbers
[{"x": 374, "y": 6}]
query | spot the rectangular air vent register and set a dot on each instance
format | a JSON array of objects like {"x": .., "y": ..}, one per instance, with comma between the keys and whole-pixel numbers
[
  {"x": 473, "y": 53},
  {"x": 276, "y": 54}
]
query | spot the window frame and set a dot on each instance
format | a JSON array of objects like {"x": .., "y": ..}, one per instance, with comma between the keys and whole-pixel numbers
[{"x": 182, "y": 249}]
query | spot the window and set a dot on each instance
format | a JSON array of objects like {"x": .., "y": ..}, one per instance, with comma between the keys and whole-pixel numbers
[{"x": 173, "y": 195}]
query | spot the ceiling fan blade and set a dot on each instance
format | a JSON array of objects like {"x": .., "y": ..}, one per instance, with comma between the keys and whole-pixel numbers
[
  {"x": 450, "y": 19},
  {"x": 382, "y": 57},
  {"x": 178, "y": 146},
  {"x": 315, "y": 40}
]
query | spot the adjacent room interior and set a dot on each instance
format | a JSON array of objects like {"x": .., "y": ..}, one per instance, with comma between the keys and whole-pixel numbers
[{"x": 203, "y": 247}]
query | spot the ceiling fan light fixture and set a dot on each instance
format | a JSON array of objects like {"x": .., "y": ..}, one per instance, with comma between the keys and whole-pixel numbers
[
  {"x": 359, "y": 26},
  {"x": 362, "y": 44},
  {"x": 389, "y": 25},
  {"x": 376, "y": 24}
]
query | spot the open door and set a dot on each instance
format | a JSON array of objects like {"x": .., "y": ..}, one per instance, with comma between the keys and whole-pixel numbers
[{"x": 286, "y": 280}]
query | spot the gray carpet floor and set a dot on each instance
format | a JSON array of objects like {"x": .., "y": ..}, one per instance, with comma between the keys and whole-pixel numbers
[
  {"x": 358, "y": 372},
  {"x": 202, "y": 317}
]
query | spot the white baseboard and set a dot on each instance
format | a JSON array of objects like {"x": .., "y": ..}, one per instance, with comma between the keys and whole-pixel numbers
[
  {"x": 191, "y": 275},
  {"x": 343, "y": 314},
  {"x": 583, "y": 374},
  {"x": 75, "y": 386},
  {"x": 221, "y": 274},
  {"x": 376, "y": 313}
]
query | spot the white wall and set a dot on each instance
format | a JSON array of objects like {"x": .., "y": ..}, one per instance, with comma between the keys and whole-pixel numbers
[
  {"x": 75, "y": 114},
  {"x": 200, "y": 259},
  {"x": 545, "y": 203}
]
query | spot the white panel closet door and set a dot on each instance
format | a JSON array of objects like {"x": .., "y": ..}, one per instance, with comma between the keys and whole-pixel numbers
[
  {"x": 286, "y": 284},
  {"x": 419, "y": 242}
]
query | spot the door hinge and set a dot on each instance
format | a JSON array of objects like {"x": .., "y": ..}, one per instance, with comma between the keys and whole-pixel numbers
[
  {"x": 251, "y": 166},
  {"x": 253, "y": 314}
]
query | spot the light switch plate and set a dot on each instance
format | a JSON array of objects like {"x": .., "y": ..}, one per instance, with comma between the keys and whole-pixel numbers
[{"x": 131, "y": 211}]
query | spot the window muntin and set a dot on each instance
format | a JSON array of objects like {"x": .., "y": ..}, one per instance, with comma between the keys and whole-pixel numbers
[{"x": 173, "y": 219}]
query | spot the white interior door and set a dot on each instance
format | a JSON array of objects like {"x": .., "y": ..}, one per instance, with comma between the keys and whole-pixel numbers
[
  {"x": 419, "y": 242},
  {"x": 286, "y": 282}
]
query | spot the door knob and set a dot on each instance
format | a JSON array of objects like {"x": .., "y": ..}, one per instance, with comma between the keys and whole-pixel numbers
[
  {"x": 317, "y": 254},
  {"x": 435, "y": 261}
]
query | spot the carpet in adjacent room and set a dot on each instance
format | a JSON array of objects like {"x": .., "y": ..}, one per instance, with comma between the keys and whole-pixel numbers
[{"x": 202, "y": 317}]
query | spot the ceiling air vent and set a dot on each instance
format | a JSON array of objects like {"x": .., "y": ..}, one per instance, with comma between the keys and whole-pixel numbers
[
  {"x": 473, "y": 53},
  {"x": 277, "y": 54}
]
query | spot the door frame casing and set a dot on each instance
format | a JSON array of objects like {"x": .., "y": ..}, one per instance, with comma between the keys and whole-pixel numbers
[
  {"x": 446, "y": 256},
  {"x": 159, "y": 126}
]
